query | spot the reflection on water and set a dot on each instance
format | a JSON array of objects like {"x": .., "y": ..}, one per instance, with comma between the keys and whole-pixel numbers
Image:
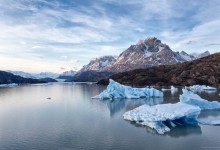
[
  {"x": 72, "y": 120},
  {"x": 183, "y": 131},
  {"x": 117, "y": 105}
]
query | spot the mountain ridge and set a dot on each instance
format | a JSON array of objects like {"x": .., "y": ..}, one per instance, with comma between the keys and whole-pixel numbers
[{"x": 205, "y": 70}]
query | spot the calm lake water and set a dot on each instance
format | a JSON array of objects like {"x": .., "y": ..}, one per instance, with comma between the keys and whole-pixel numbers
[{"x": 62, "y": 116}]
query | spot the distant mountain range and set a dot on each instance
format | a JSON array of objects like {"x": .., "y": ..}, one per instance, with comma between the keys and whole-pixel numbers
[
  {"x": 201, "y": 71},
  {"x": 45, "y": 76},
  {"x": 146, "y": 53},
  {"x": 8, "y": 78}
]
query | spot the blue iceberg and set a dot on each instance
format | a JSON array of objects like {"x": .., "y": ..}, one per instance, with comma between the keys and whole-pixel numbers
[
  {"x": 163, "y": 116},
  {"x": 191, "y": 98},
  {"x": 116, "y": 90}
]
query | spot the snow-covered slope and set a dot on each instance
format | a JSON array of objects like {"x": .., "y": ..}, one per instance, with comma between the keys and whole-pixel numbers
[
  {"x": 22, "y": 74},
  {"x": 68, "y": 73},
  {"x": 146, "y": 53},
  {"x": 186, "y": 56},
  {"x": 200, "y": 55},
  {"x": 35, "y": 75},
  {"x": 98, "y": 64},
  {"x": 46, "y": 75}
]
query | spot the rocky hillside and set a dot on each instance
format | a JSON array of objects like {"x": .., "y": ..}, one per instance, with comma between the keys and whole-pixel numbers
[
  {"x": 201, "y": 71},
  {"x": 89, "y": 76},
  {"x": 8, "y": 78}
]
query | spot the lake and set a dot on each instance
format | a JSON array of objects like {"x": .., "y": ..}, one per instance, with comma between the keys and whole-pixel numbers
[{"x": 62, "y": 116}]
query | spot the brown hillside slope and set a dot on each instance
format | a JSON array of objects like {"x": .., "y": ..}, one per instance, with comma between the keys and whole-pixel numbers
[{"x": 201, "y": 71}]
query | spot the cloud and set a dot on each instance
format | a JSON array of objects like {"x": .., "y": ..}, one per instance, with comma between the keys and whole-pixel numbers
[
  {"x": 62, "y": 30},
  {"x": 74, "y": 61}
]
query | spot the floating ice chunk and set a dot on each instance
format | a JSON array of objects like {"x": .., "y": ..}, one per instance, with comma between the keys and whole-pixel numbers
[
  {"x": 162, "y": 116},
  {"x": 116, "y": 90},
  {"x": 199, "y": 88},
  {"x": 9, "y": 85},
  {"x": 194, "y": 99},
  {"x": 164, "y": 89},
  {"x": 208, "y": 122},
  {"x": 173, "y": 88}
]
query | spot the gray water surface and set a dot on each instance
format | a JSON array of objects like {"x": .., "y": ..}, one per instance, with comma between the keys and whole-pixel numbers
[{"x": 63, "y": 116}]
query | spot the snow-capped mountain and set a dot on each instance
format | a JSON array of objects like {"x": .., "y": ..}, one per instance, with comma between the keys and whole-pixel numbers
[
  {"x": 68, "y": 73},
  {"x": 187, "y": 56},
  {"x": 22, "y": 74},
  {"x": 46, "y": 75},
  {"x": 35, "y": 75},
  {"x": 146, "y": 53},
  {"x": 206, "y": 53},
  {"x": 98, "y": 64}
]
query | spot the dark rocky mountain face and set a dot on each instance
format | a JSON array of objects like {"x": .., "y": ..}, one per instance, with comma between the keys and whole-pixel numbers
[
  {"x": 48, "y": 80},
  {"x": 8, "y": 78},
  {"x": 93, "y": 71},
  {"x": 89, "y": 76},
  {"x": 201, "y": 71}
]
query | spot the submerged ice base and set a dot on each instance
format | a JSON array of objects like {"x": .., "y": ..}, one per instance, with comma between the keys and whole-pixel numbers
[
  {"x": 163, "y": 116},
  {"x": 194, "y": 99},
  {"x": 116, "y": 90}
]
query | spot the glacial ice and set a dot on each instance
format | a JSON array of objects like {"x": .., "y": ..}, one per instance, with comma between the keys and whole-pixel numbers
[
  {"x": 199, "y": 88},
  {"x": 163, "y": 116},
  {"x": 194, "y": 99},
  {"x": 116, "y": 90},
  {"x": 173, "y": 88}
]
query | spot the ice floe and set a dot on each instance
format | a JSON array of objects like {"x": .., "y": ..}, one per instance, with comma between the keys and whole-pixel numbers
[
  {"x": 199, "y": 88},
  {"x": 194, "y": 99},
  {"x": 163, "y": 116},
  {"x": 116, "y": 90}
]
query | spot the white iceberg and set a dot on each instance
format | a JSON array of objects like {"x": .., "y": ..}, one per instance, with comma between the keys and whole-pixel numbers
[
  {"x": 199, "y": 88},
  {"x": 116, "y": 90},
  {"x": 163, "y": 116},
  {"x": 173, "y": 88},
  {"x": 194, "y": 99}
]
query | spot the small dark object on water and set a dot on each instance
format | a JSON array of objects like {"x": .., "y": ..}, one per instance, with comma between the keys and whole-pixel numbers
[{"x": 48, "y": 98}]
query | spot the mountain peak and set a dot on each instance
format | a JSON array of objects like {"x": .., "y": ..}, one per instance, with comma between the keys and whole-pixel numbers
[{"x": 98, "y": 63}]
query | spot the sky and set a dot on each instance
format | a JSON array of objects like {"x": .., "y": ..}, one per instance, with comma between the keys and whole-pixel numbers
[{"x": 62, "y": 35}]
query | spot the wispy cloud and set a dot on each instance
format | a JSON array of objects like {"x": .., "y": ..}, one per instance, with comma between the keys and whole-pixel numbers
[{"x": 61, "y": 31}]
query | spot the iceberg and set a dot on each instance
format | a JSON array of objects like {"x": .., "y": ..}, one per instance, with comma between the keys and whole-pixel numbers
[
  {"x": 191, "y": 98},
  {"x": 173, "y": 88},
  {"x": 163, "y": 116},
  {"x": 199, "y": 88},
  {"x": 116, "y": 90}
]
